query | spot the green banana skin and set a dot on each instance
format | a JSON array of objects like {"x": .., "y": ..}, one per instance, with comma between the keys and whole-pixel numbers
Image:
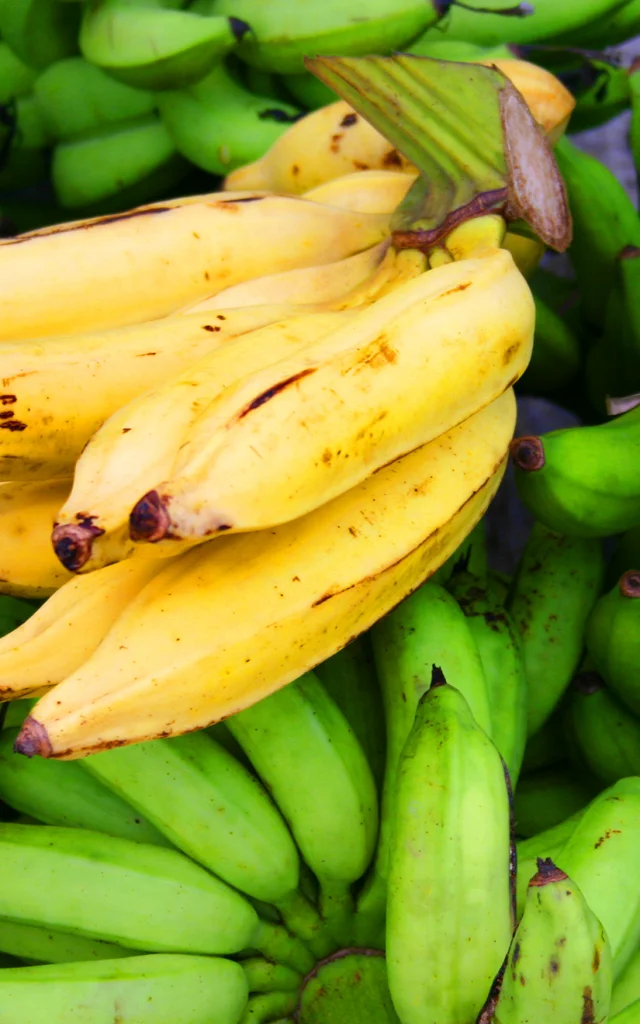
[
  {"x": 133, "y": 894},
  {"x": 263, "y": 1007},
  {"x": 34, "y": 945},
  {"x": 450, "y": 863},
  {"x": 16, "y": 77},
  {"x": 556, "y": 585},
  {"x": 457, "y": 49},
  {"x": 219, "y": 125},
  {"x": 38, "y": 31},
  {"x": 630, "y": 1014},
  {"x": 427, "y": 628},
  {"x": 602, "y": 858},
  {"x": 100, "y": 164},
  {"x": 607, "y": 733},
  {"x": 263, "y": 976},
  {"x": 559, "y": 965},
  {"x": 582, "y": 481},
  {"x": 604, "y": 222},
  {"x": 349, "y": 677},
  {"x": 309, "y": 758},
  {"x": 282, "y": 34},
  {"x": 155, "y": 48},
  {"x": 471, "y": 555},
  {"x": 549, "y": 796},
  {"x": 547, "y": 747},
  {"x": 63, "y": 793},
  {"x": 627, "y": 987},
  {"x": 613, "y": 639},
  {"x": 556, "y": 355},
  {"x": 609, "y": 30},
  {"x": 626, "y": 555},
  {"x": 308, "y": 91},
  {"x": 75, "y": 96},
  {"x": 545, "y": 844},
  {"x": 500, "y": 652},
  {"x": 143, "y": 990}
]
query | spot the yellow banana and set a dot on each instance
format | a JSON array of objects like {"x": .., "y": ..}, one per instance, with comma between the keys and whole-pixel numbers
[
  {"x": 66, "y": 629},
  {"x": 28, "y": 565},
  {"x": 58, "y": 391},
  {"x": 364, "y": 191},
  {"x": 148, "y": 262},
  {"x": 230, "y": 622},
  {"x": 300, "y": 432},
  {"x": 140, "y": 442}
]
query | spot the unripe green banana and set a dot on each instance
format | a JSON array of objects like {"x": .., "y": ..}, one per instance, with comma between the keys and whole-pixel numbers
[
  {"x": 613, "y": 639},
  {"x": 35, "y": 944},
  {"x": 547, "y": 746},
  {"x": 40, "y": 32},
  {"x": 548, "y": 797},
  {"x": 545, "y": 844},
  {"x": 427, "y": 629},
  {"x": 627, "y": 987},
  {"x": 625, "y": 555},
  {"x": 449, "y": 863},
  {"x": 606, "y": 732},
  {"x": 556, "y": 585},
  {"x": 603, "y": 93},
  {"x": 432, "y": 44},
  {"x": 307, "y": 755},
  {"x": 219, "y": 125},
  {"x": 63, "y": 793},
  {"x": 500, "y": 652},
  {"x": 264, "y": 976},
  {"x": 583, "y": 481},
  {"x": 630, "y": 1014},
  {"x": 133, "y": 894},
  {"x": 556, "y": 356},
  {"x": 16, "y": 77},
  {"x": 308, "y": 91},
  {"x": 559, "y": 965},
  {"x": 265, "y": 1006},
  {"x": 610, "y": 29},
  {"x": 137, "y": 990}
]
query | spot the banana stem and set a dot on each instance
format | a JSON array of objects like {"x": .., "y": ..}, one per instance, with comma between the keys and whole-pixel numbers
[
  {"x": 263, "y": 976},
  {"x": 263, "y": 1007},
  {"x": 304, "y": 920},
  {"x": 276, "y": 943},
  {"x": 337, "y": 907}
]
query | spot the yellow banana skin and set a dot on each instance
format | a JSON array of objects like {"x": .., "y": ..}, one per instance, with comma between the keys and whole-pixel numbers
[
  {"x": 67, "y": 628},
  {"x": 364, "y": 191},
  {"x": 151, "y": 261},
  {"x": 28, "y": 565},
  {"x": 306, "y": 429},
  {"x": 141, "y": 441},
  {"x": 60, "y": 390},
  {"x": 228, "y": 623}
]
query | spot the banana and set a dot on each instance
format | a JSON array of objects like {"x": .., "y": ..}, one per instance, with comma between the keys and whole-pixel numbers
[
  {"x": 582, "y": 481},
  {"x": 219, "y": 125},
  {"x": 307, "y": 428},
  {"x": 149, "y": 989},
  {"x": 57, "y": 392},
  {"x": 308, "y": 91},
  {"x": 141, "y": 441},
  {"x": 606, "y": 732},
  {"x": 28, "y": 565},
  {"x": 16, "y": 77},
  {"x": 627, "y": 987},
  {"x": 559, "y": 963},
  {"x": 630, "y": 1014},
  {"x": 135, "y": 154},
  {"x": 549, "y": 796},
  {"x": 545, "y": 844},
  {"x": 613, "y": 641},
  {"x": 61, "y": 634},
  {"x": 603, "y": 93},
  {"x": 610, "y": 29},
  {"x": 263, "y": 976},
  {"x": 266, "y": 1006},
  {"x": 350, "y": 678},
  {"x": 334, "y": 573},
  {"x": 556, "y": 586},
  {"x": 39, "y": 32},
  {"x": 60, "y": 793},
  {"x": 500, "y": 651},
  {"x": 364, "y": 191},
  {"x": 449, "y": 862},
  {"x": 137, "y": 266},
  {"x": 556, "y": 355},
  {"x": 428, "y": 629},
  {"x": 307, "y": 755},
  {"x": 546, "y": 747},
  {"x": 133, "y": 894},
  {"x": 154, "y": 48},
  {"x": 281, "y": 35},
  {"x": 37, "y": 945}
]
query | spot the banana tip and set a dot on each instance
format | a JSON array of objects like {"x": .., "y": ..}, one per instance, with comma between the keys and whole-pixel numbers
[
  {"x": 73, "y": 543},
  {"x": 33, "y": 739},
  {"x": 149, "y": 519},
  {"x": 527, "y": 453},
  {"x": 588, "y": 682},
  {"x": 547, "y": 873},
  {"x": 629, "y": 584}
]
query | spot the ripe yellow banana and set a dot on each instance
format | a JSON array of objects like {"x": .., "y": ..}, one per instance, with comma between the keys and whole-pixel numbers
[
  {"x": 66, "y": 629},
  {"x": 58, "y": 391},
  {"x": 148, "y": 262},
  {"x": 364, "y": 191},
  {"x": 296, "y": 434},
  {"x": 140, "y": 442},
  {"x": 28, "y": 565},
  {"x": 230, "y": 622}
]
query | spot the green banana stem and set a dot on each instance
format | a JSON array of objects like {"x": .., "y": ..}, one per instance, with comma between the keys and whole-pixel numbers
[
  {"x": 303, "y": 919},
  {"x": 263, "y": 1007},
  {"x": 263, "y": 976},
  {"x": 276, "y": 943},
  {"x": 338, "y": 909}
]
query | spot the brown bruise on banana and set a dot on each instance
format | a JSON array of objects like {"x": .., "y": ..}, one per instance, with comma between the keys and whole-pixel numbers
[
  {"x": 546, "y": 874},
  {"x": 73, "y": 542},
  {"x": 629, "y": 584},
  {"x": 527, "y": 453}
]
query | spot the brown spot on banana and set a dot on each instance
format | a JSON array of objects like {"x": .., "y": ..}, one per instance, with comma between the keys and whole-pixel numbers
[
  {"x": 266, "y": 396},
  {"x": 547, "y": 873},
  {"x": 588, "y": 1011},
  {"x": 149, "y": 519},
  {"x": 629, "y": 584},
  {"x": 33, "y": 739},
  {"x": 527, "y": 453},
  {"x": 72, "y": 542}
]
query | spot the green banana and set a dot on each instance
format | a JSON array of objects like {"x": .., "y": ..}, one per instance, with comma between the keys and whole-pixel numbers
[
  {"x": 427, "y": 628},
  {"x": 625, "y": 555},
  {"x": 63, "y": 793},
  {"x": 304, "y": 750},
  {"x": 613, "y": 639},
  {"x": 40, "y": 32},
  {"x": 214, "y": 810},
  {"x": 555, "y": 587},
  {"x": 35, "y": 944},
  {"x": 449, "y": 863},
  {"x": 545, "y": 844},
  {"x": 500, "y": 652},
  {"x": 282, "y": 33},
  {"x": 219, "y": 125},
  {"x": 627, "y": 987},
  {"x": 630, "y": 1014},
  {"x": 98, "y": 165},
  {"x": 610, "y": 29},
  {"x": 602, "y": 858},
  {"x": 613, "y": 362},
  {"x": 548, "y": 797},
  {"x": 470, "y": 555},
  {"x": 133, "y": 894},
  {"x": 75, "y": 96},
  {"x": 556, "y": 355},
  {"x": 16, "y": 77},
  {"x": 582, "y": 481},
  {"x": 159, "y": 48},
  {"x": 433, "y": 44},
  {"x": 137, "y": 990},
  {"x": 265, "y": 1006},
  {"x": 308, "y": 91},
  {"x": 602, "y": 91},
  {"x": 559, "y": 965},
  {"x": 547, "y": 746},
  {"x": 606, "y": 732},
  {"x": 264, "y": 976},
  {"x": 349, "y": 677}
]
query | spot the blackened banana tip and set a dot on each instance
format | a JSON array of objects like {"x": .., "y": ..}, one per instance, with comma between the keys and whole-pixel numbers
[
  {"x": 527, "y": 453},
  {"x": 629, "y": 584},
  {"x": 33, "y": 739},
  {"x": 72, "y": 544},
  {"x": 588, "y": 682},
  {"x": 149, "y": 519},
  {"x": 547, "y": 873},
  {"x": 437, "y": 677}
]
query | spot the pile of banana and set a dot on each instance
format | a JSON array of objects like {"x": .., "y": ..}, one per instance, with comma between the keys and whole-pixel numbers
[{"x": 117, "y": 101}]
